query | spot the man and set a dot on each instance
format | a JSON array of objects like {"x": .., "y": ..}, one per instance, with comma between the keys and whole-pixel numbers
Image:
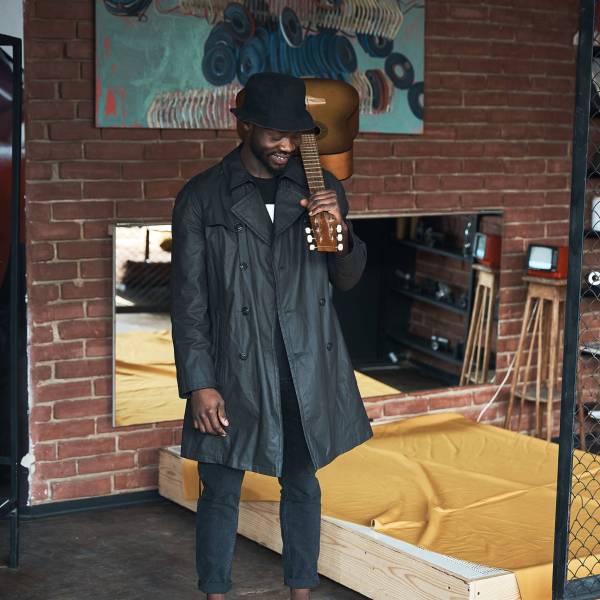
[{"x": 259, "y": 351}]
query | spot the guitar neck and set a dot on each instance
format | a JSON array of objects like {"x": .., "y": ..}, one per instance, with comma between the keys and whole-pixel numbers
[{"x": 312, "y": 165}]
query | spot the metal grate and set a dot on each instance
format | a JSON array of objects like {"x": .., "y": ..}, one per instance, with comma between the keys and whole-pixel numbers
[
  {"x": 583, "y": 553},
  {"x": 577, "y": 536}
]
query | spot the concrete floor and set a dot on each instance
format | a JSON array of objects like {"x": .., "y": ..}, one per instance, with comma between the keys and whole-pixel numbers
[{"x": 133, "y": 553}]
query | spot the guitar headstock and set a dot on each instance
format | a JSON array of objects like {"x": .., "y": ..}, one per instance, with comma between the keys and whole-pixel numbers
[{"x": 323, "y": 234}]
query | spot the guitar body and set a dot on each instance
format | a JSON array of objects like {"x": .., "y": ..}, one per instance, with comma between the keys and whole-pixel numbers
[
  {"x": 337, "y": 120},
  {"x": 334, "y": 106}
]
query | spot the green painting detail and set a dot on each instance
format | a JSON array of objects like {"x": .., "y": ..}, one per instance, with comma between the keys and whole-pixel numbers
[{"x": 180, "y": 63}]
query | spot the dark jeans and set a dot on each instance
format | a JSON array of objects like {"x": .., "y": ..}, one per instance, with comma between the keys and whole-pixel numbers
[{"x": 299, "y": 511}]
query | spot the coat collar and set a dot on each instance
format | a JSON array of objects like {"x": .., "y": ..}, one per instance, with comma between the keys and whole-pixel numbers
[{"x": 248, "y": 205}]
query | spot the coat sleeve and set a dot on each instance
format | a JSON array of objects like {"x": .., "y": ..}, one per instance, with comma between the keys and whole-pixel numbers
[
  {"x": 190, "y": 319},
  {"x": 346, "y": 269}
]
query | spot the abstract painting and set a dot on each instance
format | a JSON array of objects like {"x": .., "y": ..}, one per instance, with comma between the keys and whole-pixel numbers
[{"x": 180, "y": 63}]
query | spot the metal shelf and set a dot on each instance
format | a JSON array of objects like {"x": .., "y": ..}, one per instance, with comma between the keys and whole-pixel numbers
[
  {"x": 441, "y": 251},
  {"x": 429, "y": 300},
  {"x": 422, "y": 345}
]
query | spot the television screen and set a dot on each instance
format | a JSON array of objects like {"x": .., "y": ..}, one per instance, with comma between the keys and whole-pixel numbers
[
  {"x": 540, "y": 258},
  {"x": 479, "y": 245}
]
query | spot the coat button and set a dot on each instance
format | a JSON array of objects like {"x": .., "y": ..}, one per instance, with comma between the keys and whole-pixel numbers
[
  {"x": 245, "y": 310},
  {"x": 239, "y": 227},
  {"x": 243, "y": 355},
  {"x": 321, "y": 301},
  {"x": 329, "y": 346},
  {"x": 243, "y": 266}
]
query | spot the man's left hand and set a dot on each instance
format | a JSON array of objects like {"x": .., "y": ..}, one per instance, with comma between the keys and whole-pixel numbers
[{"x": 325, "y": 200}]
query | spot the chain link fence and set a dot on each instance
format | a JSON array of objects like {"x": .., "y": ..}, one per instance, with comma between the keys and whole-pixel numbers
[{"x": 577, "y": 535}]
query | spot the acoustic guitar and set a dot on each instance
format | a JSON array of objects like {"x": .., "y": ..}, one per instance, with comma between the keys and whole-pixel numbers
[{"x": 334, "y": 106}]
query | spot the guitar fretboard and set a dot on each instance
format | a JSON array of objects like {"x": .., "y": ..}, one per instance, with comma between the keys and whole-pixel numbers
[{"x": 310, "y": 159}]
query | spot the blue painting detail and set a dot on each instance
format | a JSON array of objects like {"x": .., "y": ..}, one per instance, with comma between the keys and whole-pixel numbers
[{"x": 179, "y": 63}]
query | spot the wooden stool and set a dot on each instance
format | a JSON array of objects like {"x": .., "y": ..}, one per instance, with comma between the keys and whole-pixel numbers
[
  {"x": 477, "y": 350},
  {"x": 544, "y": 340}
]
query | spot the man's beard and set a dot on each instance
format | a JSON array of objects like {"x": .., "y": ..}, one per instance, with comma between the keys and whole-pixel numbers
[{"x": 263, "y": 157}]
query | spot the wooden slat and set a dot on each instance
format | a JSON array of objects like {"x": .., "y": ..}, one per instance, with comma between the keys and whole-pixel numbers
[
  {"x": 362, "y": 564},
  {"x": 503, "y": 586},
  {"x": 371, "y": 563}
]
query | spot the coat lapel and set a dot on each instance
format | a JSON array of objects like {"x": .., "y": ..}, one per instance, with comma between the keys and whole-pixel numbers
[
  {"x": 292, "y": 188},
  {"x": 245, "y": 201},
  {"x": 248, "y": 205},
  {"x": 287, "y": 206}
]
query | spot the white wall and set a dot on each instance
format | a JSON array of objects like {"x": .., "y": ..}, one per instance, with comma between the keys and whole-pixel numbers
[{"x": 11, "y": 18}]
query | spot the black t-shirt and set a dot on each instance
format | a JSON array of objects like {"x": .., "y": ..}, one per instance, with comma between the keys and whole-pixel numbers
[{"x": 267, "y": 186}]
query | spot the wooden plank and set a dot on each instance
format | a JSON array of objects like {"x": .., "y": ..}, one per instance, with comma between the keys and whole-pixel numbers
[
  {"x": 371, "y": 563},
  {"x": 503, "y": 586},
  {"x": 170, "y": 479},
  {"x": 365, "y": 565}
]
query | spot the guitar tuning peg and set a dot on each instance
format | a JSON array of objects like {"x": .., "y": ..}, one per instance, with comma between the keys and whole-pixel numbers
[
  {"x": 340, "y": 247},
  {"x": 307, "y": 230},
  {"x": 340, "y": 237},
  {"x": 338, "y": 228},
  {"x": 309, "y": 238},
  {"x": 312, "y": 247}
]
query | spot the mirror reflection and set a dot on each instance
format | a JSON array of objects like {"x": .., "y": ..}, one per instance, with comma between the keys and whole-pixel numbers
[
  {"x": 407, "y": 322},
  {"x": 145, "y": 388},
  {"x": 429, "y": 280}
]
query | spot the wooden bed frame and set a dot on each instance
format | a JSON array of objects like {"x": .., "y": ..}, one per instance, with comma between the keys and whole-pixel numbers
[{"x": 373, "y": 564}]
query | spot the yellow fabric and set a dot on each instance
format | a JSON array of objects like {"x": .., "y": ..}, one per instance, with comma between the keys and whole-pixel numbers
[
  {"x": 146, "y": 388},
  {"x": 145, "y": 384},
  {"x": 190, "y": 479},
  {"x": 442, "y": 482},
  {"x": 369, "y": 387}
]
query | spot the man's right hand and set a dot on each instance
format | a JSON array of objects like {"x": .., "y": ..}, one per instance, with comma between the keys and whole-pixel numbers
[{"x": 208, "y": 411}]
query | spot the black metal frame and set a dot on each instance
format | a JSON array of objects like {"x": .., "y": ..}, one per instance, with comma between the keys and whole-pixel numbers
[
  {"x": 561, "y": 587},
  {"x": 9, "y": 507},
  {"x": 67, "y": 507}
]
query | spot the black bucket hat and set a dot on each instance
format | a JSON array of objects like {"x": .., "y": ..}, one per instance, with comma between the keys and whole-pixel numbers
[{"x": 275, "y": 101}]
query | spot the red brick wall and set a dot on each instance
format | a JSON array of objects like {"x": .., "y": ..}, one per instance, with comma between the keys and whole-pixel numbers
[{"x": 499, "y": 82}]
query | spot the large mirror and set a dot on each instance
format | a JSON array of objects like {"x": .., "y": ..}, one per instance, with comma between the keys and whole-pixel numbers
[
  {"x": 406, "y": 323},
  {"x": 144, "y": 383}
]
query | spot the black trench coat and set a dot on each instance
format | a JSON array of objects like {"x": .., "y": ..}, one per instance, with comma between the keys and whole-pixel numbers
[{"x": 233, "y": 273}]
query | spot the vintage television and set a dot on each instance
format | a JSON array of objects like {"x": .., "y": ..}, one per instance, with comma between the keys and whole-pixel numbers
[
  {"x": 487, "y": 249},
  {"x": 547, "y": 261}
]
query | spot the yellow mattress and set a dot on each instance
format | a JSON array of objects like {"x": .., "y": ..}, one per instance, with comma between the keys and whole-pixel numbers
[
  {"x": 442, "y": 482},
  {"x": 145, "y": 384}
]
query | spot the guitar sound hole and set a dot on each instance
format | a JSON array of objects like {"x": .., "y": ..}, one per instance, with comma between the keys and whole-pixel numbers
[{"x": 321, "y": 130}]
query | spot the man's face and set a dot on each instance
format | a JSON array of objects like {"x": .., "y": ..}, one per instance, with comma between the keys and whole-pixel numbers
[{"x": 273, "y": 148}]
